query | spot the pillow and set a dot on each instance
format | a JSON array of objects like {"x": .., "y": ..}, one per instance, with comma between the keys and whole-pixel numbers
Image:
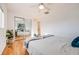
[
  {"x": 75, "y": 42},
  {"x": 48, "y": 35}
]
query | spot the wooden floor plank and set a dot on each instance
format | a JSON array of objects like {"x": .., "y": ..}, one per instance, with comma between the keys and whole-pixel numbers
[{"x": 16, "y": 48}]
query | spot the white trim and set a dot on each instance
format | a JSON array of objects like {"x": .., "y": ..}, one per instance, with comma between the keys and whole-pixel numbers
[{"x": 2, "y": 19}]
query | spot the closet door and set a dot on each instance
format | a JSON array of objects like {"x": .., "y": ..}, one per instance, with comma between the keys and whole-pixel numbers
[
  {"x": 19, "y": 26},
  {"x": 22, "y": 27}
]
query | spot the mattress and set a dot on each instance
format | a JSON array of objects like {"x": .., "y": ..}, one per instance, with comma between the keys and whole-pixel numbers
[{"x": 52, "y": 46}]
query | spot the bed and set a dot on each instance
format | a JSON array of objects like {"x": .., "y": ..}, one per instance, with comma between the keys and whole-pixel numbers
[{"x": 53, "y": 45}]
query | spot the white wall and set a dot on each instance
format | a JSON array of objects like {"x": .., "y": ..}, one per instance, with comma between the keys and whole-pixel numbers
[
  {"x": 2, "y": 31},
  {"x": 63, "y": 19},
  {"x": 63, "y": 22}
]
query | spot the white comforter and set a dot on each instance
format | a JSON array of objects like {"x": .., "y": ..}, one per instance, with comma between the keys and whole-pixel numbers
[{"x": 52, "y": 46}]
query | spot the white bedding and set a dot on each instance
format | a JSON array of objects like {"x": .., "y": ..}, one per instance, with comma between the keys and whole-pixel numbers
[{"x": 52, "y": 46}]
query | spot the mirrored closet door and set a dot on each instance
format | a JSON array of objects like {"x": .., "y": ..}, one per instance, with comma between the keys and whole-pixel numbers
[{"x": 22, "y": 27}]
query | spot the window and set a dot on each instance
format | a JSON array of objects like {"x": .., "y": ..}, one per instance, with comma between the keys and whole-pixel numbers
[{"x": 1, "y": 19}]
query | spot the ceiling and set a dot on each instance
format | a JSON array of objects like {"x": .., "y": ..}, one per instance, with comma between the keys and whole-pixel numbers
[
  {"x": 19, "y": 7},
  {"x": 32, "y": 10}
]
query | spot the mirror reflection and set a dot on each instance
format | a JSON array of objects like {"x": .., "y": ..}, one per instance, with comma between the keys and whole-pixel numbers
[{"x": 22, "y": 26}]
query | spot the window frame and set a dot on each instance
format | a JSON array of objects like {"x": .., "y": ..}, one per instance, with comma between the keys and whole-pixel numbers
[{"x": 2, "y": 20}]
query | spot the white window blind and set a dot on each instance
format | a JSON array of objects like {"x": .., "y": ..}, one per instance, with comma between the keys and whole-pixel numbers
[{"x": 1, "y": 19}]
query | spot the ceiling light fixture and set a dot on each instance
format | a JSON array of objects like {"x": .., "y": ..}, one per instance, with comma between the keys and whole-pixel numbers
[{"x": 43, "y": 8}]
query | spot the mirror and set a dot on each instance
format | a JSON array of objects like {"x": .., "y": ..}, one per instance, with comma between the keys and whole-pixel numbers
[{"x": 22, "y": 26}]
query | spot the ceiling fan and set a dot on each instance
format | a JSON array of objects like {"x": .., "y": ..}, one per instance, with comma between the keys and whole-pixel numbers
[{"x": 43, "y": 8}]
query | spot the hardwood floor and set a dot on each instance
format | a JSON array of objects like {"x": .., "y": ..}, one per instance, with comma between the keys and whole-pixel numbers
[{"x": 16, "y": 48}]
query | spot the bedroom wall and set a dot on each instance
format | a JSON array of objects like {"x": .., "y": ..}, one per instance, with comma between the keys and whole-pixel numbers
[
  {"x": 2, "y": 30},
  {"x": 63, "y": 19}
]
